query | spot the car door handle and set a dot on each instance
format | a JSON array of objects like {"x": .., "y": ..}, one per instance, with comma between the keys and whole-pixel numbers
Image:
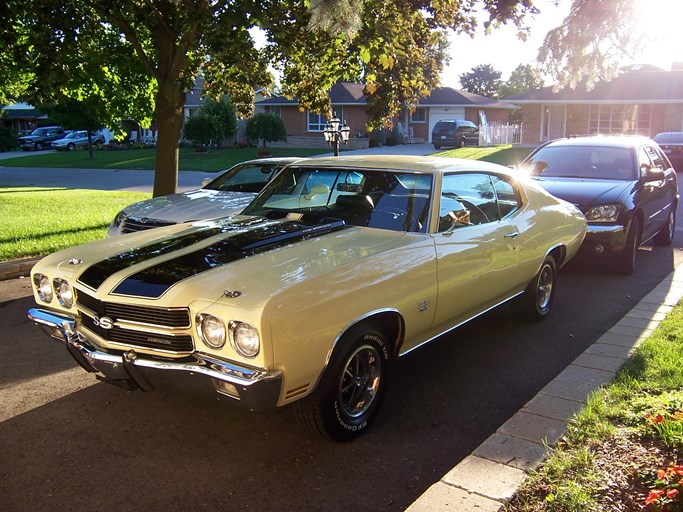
[{"x": 512, "y": 235}]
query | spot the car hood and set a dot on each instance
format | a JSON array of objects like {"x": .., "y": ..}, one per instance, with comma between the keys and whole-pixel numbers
[
  {"x": 586, "y": 192},
  {"x": 31, "y": 137},
  {"x": 190, "y": 206},
  {"x": 254, "y": 259}
]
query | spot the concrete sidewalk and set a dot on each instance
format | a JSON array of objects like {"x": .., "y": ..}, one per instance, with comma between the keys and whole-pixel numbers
[{"x": 489, "y": 477}]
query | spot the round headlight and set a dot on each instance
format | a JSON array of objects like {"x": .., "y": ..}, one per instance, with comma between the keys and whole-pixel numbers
[
  {"x": 245, "y": 339},
  {"x": 43, "y": 287},
  {"x": 603, "y": 213},
  {"x": 65, "y": 294},
  {"x": 211, "y": 330}
]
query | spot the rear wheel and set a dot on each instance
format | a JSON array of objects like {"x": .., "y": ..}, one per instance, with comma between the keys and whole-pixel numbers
[
  {"x": 351, "y": 389},
  {"x": 666, "y": 234},
  {"x": 539, "y": 296}
]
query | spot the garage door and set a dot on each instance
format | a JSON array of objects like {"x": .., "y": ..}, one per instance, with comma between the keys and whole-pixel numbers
[{"x": 439, "y": 114}]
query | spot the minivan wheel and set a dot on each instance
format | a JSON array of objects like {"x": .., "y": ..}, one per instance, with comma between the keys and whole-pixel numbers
[
  {"x": 462, "y": 143},
  {"x": 666, "y": 235}
]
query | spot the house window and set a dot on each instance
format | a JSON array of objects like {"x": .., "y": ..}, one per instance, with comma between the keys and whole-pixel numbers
[
  {"x": 419, "y": 115},
  {"x": 628, "y": 119},
  {"x": 276, "y": 110},
  {"x": 317, "y": 122}
]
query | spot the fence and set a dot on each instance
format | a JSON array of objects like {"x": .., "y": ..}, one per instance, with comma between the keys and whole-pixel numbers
[{"x": 492, "y": 134}]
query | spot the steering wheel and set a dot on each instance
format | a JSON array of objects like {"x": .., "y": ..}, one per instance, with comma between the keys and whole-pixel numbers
[{"x": 473, "y": 207}]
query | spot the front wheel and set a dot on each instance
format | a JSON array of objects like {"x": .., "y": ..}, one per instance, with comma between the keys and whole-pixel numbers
[
  {"x": 351, "y": 389},
  {"x": 71, "y": 146},
  {"x": 437, "y": 146},
  {"x": 462, "y": 143},
  {"x": 538, "y": 298},
  {"x": 38, "y": 146},
  {"x": 625, "y": 262}
]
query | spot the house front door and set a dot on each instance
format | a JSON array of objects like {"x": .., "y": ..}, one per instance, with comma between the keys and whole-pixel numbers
[{"x": 553, "y": 125}]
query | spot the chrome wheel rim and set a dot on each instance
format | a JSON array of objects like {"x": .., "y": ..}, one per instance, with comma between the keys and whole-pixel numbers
[
  {"x": 544, "y": 291},
  {"x": 360, "y": 380}
]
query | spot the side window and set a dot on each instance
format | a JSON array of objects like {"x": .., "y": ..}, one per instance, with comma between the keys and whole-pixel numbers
[
  {"x": 509, "y": 200},
  {"x": 655, "y": 157},
  {"x": 643, "y": 159},
  {"x": 467, "y": 199}
]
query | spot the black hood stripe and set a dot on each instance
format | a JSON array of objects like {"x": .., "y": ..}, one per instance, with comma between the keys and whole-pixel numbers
[{"x": 154, "y": 281}]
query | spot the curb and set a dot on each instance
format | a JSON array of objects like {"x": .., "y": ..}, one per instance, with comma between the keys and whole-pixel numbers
[
  {"x": 488, "y": 478},
  {"x": 16, "y": 268}
]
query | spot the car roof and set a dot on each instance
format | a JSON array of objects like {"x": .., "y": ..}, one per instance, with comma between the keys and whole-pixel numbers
[
  {"x": 273, "y": 160},
  {"x": 623, "y": 141},
  {"x": 423, "y": 164}
]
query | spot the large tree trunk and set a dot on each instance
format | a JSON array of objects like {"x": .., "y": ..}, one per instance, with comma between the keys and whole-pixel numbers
[{"x": 169, "y": 117}]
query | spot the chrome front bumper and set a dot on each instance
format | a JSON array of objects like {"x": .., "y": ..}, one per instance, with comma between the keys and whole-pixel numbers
[{"x": 252, "y": 388}]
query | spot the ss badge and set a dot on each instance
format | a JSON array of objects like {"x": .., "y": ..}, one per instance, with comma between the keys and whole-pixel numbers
[
  {"x": 103, "y": 321},
  {"x": 423, "y": 305}
]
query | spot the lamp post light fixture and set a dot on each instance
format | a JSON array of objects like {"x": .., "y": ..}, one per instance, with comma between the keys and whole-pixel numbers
[{"x": 336, "y": 134}]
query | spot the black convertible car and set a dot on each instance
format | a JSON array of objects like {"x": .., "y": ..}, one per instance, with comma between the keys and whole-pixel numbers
[{"x": 624, "y": 185}]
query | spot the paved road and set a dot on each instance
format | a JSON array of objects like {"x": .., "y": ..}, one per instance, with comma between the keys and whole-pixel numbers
[{"x": 69, "y": 442}]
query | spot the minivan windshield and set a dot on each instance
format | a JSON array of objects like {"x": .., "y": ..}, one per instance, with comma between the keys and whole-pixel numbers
[{"x": 590, "y": 162}]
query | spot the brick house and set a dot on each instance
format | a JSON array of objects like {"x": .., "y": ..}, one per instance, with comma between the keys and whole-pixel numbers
[
  {"x": 640, "y": 100},
  {"x": 348, "y": 102}
]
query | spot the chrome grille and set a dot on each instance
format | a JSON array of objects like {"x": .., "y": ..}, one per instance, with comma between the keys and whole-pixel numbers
[
  {"x": 176, "y": 318},
  {"x": 182, "y": 343},
  {"x": 133, "y": 224}
]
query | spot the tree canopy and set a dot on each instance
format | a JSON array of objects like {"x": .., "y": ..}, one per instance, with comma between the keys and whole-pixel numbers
[
  {"x": 138, "y": 57},
  {"x": 483, "y": 80}
]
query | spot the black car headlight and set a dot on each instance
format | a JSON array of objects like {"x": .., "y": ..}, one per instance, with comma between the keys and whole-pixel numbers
[{"x": 603, "y": 213}]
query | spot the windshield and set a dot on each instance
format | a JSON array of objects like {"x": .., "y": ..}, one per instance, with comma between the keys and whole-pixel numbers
[
  {"x": 398, "y": 201},
  {"x": 591, "y": 162},
  {"x": 245, "y": 178},
  {"x": 39, "y": 131}
]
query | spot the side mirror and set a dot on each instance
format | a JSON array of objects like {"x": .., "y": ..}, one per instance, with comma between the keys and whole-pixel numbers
[{"x": 651, "y": 173}]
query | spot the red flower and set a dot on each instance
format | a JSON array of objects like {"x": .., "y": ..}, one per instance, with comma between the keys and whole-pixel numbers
[
  {"x": 672, "y": 493},
  {"x": 654, "y": 495}
]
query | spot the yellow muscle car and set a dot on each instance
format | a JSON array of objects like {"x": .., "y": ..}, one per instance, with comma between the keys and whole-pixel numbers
[{"x": 339, "y": 266}]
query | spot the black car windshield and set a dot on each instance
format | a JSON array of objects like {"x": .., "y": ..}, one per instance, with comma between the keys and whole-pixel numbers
[
  {"x": 397, "y": 201},
  {"x": 244, "y": 178},
  {"x": 591, "y": 162}
]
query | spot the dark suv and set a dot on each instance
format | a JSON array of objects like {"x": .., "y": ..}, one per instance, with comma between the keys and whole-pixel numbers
[
  {"x": 624, "y": 185},
  {"x": 456, "y": 132},
  {"x": 41, "y": 138}
]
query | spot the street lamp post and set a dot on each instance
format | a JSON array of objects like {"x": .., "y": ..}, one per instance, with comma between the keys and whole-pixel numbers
[{"x": 336, "y": 134}]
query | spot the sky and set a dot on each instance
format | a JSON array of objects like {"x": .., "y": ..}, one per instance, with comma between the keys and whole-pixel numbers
[{"x": 504, "y": 51}]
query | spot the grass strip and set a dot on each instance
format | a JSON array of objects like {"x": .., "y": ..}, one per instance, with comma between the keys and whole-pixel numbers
[
  {"x": 39, "y": 221},
  {"x": 623, "y": 450}
]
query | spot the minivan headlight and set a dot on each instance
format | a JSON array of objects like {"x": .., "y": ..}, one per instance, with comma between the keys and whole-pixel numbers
[{"x": 603, "y": 213}]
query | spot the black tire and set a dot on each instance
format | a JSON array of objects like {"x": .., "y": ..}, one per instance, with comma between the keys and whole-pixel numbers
[
  {"x": 538, "y": 298},
  {"x": 38, "y": 146},
  {"x": 437, "y": 146},
  {"x": 462, "y": 143},
  {"x": 351, "y": 389},
  {"x": 665, "y": 237},
  {"x": 70, "y": 146},
  {"x": 625, "y": 261}
]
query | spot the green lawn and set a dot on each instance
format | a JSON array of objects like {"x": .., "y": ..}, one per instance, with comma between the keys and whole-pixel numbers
[
  {"x": 211, "y": 161},
  {"x": 503, "y": 155},
  {"x": 38, "y": 221}
]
